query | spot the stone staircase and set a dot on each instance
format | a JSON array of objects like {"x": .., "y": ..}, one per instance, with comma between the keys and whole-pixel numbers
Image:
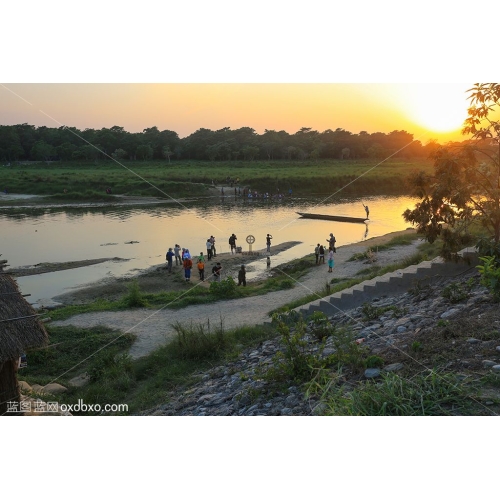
[{"x": 389, "y": 284}]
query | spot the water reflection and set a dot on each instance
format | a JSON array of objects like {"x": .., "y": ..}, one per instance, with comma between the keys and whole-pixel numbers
[{"x": 59, "y": 235}]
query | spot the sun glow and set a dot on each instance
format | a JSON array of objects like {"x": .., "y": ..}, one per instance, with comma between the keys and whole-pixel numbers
[{"x": 437, "y": 107}]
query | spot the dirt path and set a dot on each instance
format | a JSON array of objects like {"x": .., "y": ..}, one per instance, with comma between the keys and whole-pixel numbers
[{"x": 154, "y": 328}]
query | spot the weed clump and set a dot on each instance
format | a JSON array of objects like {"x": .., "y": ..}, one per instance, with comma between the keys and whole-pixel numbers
[
  {"x": 134, "y": 297},
  {"x": 197, "y": 342},
  {"x": 425, "y": 394},
  {"x": 455, "y": 292},
  {"x": 321, "y": 327},
  {"x": 224, "y": 288}
]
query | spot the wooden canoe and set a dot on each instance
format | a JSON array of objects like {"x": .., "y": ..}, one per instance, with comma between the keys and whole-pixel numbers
[{"x": 337, "y": 218}]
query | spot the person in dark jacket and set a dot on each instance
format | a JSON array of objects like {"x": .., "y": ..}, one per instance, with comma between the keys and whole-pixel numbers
[
  {"x": 170, "y": 258},
  {"x": 242, "y": 276}
]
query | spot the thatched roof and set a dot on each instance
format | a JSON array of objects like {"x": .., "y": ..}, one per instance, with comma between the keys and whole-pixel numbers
[{"x": 17, "y": 336}]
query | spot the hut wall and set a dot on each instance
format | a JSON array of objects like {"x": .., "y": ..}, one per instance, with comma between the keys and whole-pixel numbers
[{"x": 9, "y": 388}]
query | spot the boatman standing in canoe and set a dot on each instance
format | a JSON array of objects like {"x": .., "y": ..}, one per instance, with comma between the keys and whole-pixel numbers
[{"x": 367, "y": 210}]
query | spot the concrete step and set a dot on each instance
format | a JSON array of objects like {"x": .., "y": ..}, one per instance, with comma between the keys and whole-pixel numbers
[{"x": 392, "y": 283}]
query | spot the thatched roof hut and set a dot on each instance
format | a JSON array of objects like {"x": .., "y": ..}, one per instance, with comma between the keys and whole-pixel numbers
[
  {"x": 20, "y": 330},
  {"x": 17, "y": 335}
]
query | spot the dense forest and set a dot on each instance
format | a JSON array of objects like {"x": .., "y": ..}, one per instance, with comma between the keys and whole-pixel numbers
[{"x": 29, "y": 143}]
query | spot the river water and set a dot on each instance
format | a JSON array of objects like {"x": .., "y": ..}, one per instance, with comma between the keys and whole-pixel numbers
[{"x": 61, "y": 234}]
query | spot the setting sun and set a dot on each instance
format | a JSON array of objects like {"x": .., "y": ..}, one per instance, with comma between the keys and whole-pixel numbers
[{"x": 437, "y": 107}]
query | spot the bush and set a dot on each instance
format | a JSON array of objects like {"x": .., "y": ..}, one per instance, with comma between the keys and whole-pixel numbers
[
  {"x": 321, "y": 327},
  {"x": 294, "y": 363},
  {"x": 454, "y": 292},
  {"x": 371, "y": 312},
  {"x": 224, "y": 288},
  {"x": 134, "y": 297},
  {"x": 374, "y": 362},
  {"x": 488, "y": 248},
  {"x": 286, "y": 284},
  {"x": 347, "y": 351},
  {"x": 490, "y": 275}
]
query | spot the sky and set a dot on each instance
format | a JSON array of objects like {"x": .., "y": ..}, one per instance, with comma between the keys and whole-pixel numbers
[{"x": 429, "y": 111}]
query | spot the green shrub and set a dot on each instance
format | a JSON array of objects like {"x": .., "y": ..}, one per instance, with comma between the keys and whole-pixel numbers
[
  {"x": 294, "y": 362},
  {"x": 134, "y": 297},
  {"x": 347, "y": 351},
  {"x": 490, "y": 275},
  {"x": 286, "y": 284},
  {"x": 374, "y": 362},
  {"x": 455, "y": 292},
  {"x": 321, "y": 327},
  {"x": 488, "y": 248},
  {"x": 224, "y": 288},
  {"x": 416, "y": 346},
  {"x": 371, "y": 312}
]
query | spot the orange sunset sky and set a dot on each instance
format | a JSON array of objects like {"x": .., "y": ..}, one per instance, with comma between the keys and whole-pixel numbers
[{"x": 429, "y": 111}]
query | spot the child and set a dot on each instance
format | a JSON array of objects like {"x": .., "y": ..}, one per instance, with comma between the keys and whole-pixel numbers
[
  {"x": 321, "y": 254},
  {"x": 201, "y": 269},
  {"x": 330, "y": 261}
]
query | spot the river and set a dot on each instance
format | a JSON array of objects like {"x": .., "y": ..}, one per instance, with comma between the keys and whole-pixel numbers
[{"x": 141, "y": 235}]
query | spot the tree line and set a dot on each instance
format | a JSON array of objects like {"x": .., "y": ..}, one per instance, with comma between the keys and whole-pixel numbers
[{"x": 30, "y": 143}]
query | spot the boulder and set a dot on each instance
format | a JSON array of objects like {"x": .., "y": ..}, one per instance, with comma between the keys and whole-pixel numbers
[
  {"x": 24, "y": 386},
  {"x": 394, "y": 367},
  {"x": 372, "y": 373},
  {"x": 79, "y": 380},
  {"x": 54, "y": 388}
]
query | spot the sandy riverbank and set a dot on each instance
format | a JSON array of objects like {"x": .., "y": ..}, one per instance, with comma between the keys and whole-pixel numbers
[
  {"x": 154, "y": 327},
  {"x": 156, "y": 278}
]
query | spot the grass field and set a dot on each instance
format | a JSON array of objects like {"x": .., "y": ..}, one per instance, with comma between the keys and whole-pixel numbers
[{"x": 89, "y": 180}]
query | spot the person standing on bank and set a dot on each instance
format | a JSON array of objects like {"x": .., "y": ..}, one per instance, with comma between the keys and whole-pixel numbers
[
  {"x": 216, "y": 271},
  {"x": 232, "y": 242},
  {"x": 242, "y": 276},
  {"x": 331, "y": 243},
  {"x": 177, "y": 250},
  {"x": 209, "y": 249},
  {"x": 268, "y": 242},
  {"x": 187, "y": 264},
  {"x": 316, "y": 253},
  {"x": 169, "y": 257},
  {"x": 330, "y": 261},
  {"x": 201, "y": 269},
  {"x": 212, "y": 241},
  {"x": 321, "y": 254}
]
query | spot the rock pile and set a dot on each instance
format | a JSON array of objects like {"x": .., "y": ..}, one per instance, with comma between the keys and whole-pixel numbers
[{"x": 237, "y": 388}]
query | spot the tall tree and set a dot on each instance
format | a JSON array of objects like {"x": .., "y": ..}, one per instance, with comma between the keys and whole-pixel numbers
[
  {"x": 465, "y": 186},
  {"x": 42, "y": 151}
]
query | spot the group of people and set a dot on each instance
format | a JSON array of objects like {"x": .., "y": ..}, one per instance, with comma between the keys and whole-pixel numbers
[
  {"x": 183, "y": 257},
  {"x": 211, "y": 250},
  {"x": 320, "y": 250}
]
